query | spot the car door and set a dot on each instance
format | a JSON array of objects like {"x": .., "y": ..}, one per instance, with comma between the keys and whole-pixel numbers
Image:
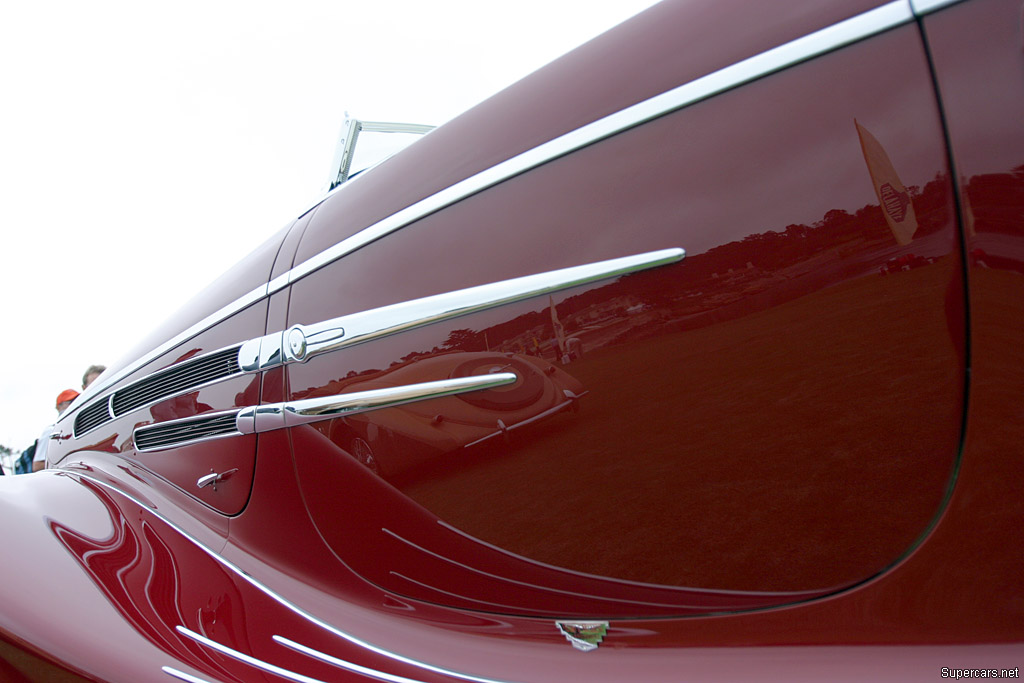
[{"x": 708, "y": 360}]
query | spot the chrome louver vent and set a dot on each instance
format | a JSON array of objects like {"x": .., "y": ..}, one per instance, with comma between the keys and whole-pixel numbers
[
  {"x": 92, "y": 416},
  {"x": 167, "y": 434},
  {"x": 176, "y": 379}
]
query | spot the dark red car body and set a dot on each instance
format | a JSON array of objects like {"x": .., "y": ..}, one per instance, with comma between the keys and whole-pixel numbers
[{"x": 772, "y": 462}]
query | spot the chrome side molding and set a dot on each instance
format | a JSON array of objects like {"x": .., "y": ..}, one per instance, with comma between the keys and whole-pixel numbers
[
  {"x": 293, "y": 413},
  {"x": 301, "y": 342},
  {"x": 264, "y": 418}
]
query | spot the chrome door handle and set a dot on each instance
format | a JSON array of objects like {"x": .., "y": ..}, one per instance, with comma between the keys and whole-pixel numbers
[{"x": 214, "y": 478}]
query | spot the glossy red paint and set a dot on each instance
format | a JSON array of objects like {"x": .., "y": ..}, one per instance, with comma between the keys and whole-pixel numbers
[
  {"x": 753, "y": 463},
  {"x": 715, "y": 377}
]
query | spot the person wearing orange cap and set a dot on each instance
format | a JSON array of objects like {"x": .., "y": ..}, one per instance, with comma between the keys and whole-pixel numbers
[{"x": 64, "y": 399}]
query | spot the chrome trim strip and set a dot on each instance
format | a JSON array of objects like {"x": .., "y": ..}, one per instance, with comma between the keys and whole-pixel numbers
[
  {"x": 264, "y": 418},
  {"x": 181, "y": 675},
  {"x": 302, "y": 342},
  {"x": 718, "y": 592},
  {"x": 298, "y": 611},
  {"x": 577, "y": 594},
  {"x": 489, "y": 605},
  {"x": 789, "y": 54},
  {"x": 838, "y": 35},
  {"x": 247, "y": 659},
  {"x": 923, "y": 7},
  {"x": 540, "y": 416},
  {"x": 517, "y": 582},
  {"x": 341, "y": 663},
  {"x": 294, "y": 413}
]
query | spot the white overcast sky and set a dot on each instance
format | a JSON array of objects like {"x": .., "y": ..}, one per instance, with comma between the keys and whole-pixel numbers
[{"x": 146, "y": 147}]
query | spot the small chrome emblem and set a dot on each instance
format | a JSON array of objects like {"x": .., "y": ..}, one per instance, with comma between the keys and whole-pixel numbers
[{"x": 584, "y": 635}]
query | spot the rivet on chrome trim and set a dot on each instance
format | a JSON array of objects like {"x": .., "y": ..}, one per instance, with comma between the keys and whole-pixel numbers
[{"x": 584, "y": 635}]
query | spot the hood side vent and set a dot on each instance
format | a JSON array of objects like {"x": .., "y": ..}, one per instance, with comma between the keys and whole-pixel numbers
[
  {"x": 169, "y": 434},
  {"x": 176, "y": 379},
  {"x": 92, "y": 416}
]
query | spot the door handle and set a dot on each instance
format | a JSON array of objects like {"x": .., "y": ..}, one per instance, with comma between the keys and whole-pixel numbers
[{"x": 214, "y": 478}]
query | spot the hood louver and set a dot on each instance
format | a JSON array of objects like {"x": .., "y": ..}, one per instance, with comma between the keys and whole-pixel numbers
[
  {"x": 167, "y": 434},
  {"x": 177, "y": 379},
  {"x": 92, "y": 416}
]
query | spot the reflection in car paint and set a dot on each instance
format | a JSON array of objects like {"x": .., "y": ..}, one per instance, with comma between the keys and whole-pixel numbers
[{"x": 391, "y": 441}]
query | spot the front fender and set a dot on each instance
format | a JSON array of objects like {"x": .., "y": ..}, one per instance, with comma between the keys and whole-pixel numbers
[{"x": 74, "y": 583}]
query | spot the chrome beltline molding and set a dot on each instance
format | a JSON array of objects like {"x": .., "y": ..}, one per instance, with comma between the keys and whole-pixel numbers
[
  {"x": 301, "y": 342},
  {"x": 825, "y": 40},
  {"x": 231, "y": 567}
]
